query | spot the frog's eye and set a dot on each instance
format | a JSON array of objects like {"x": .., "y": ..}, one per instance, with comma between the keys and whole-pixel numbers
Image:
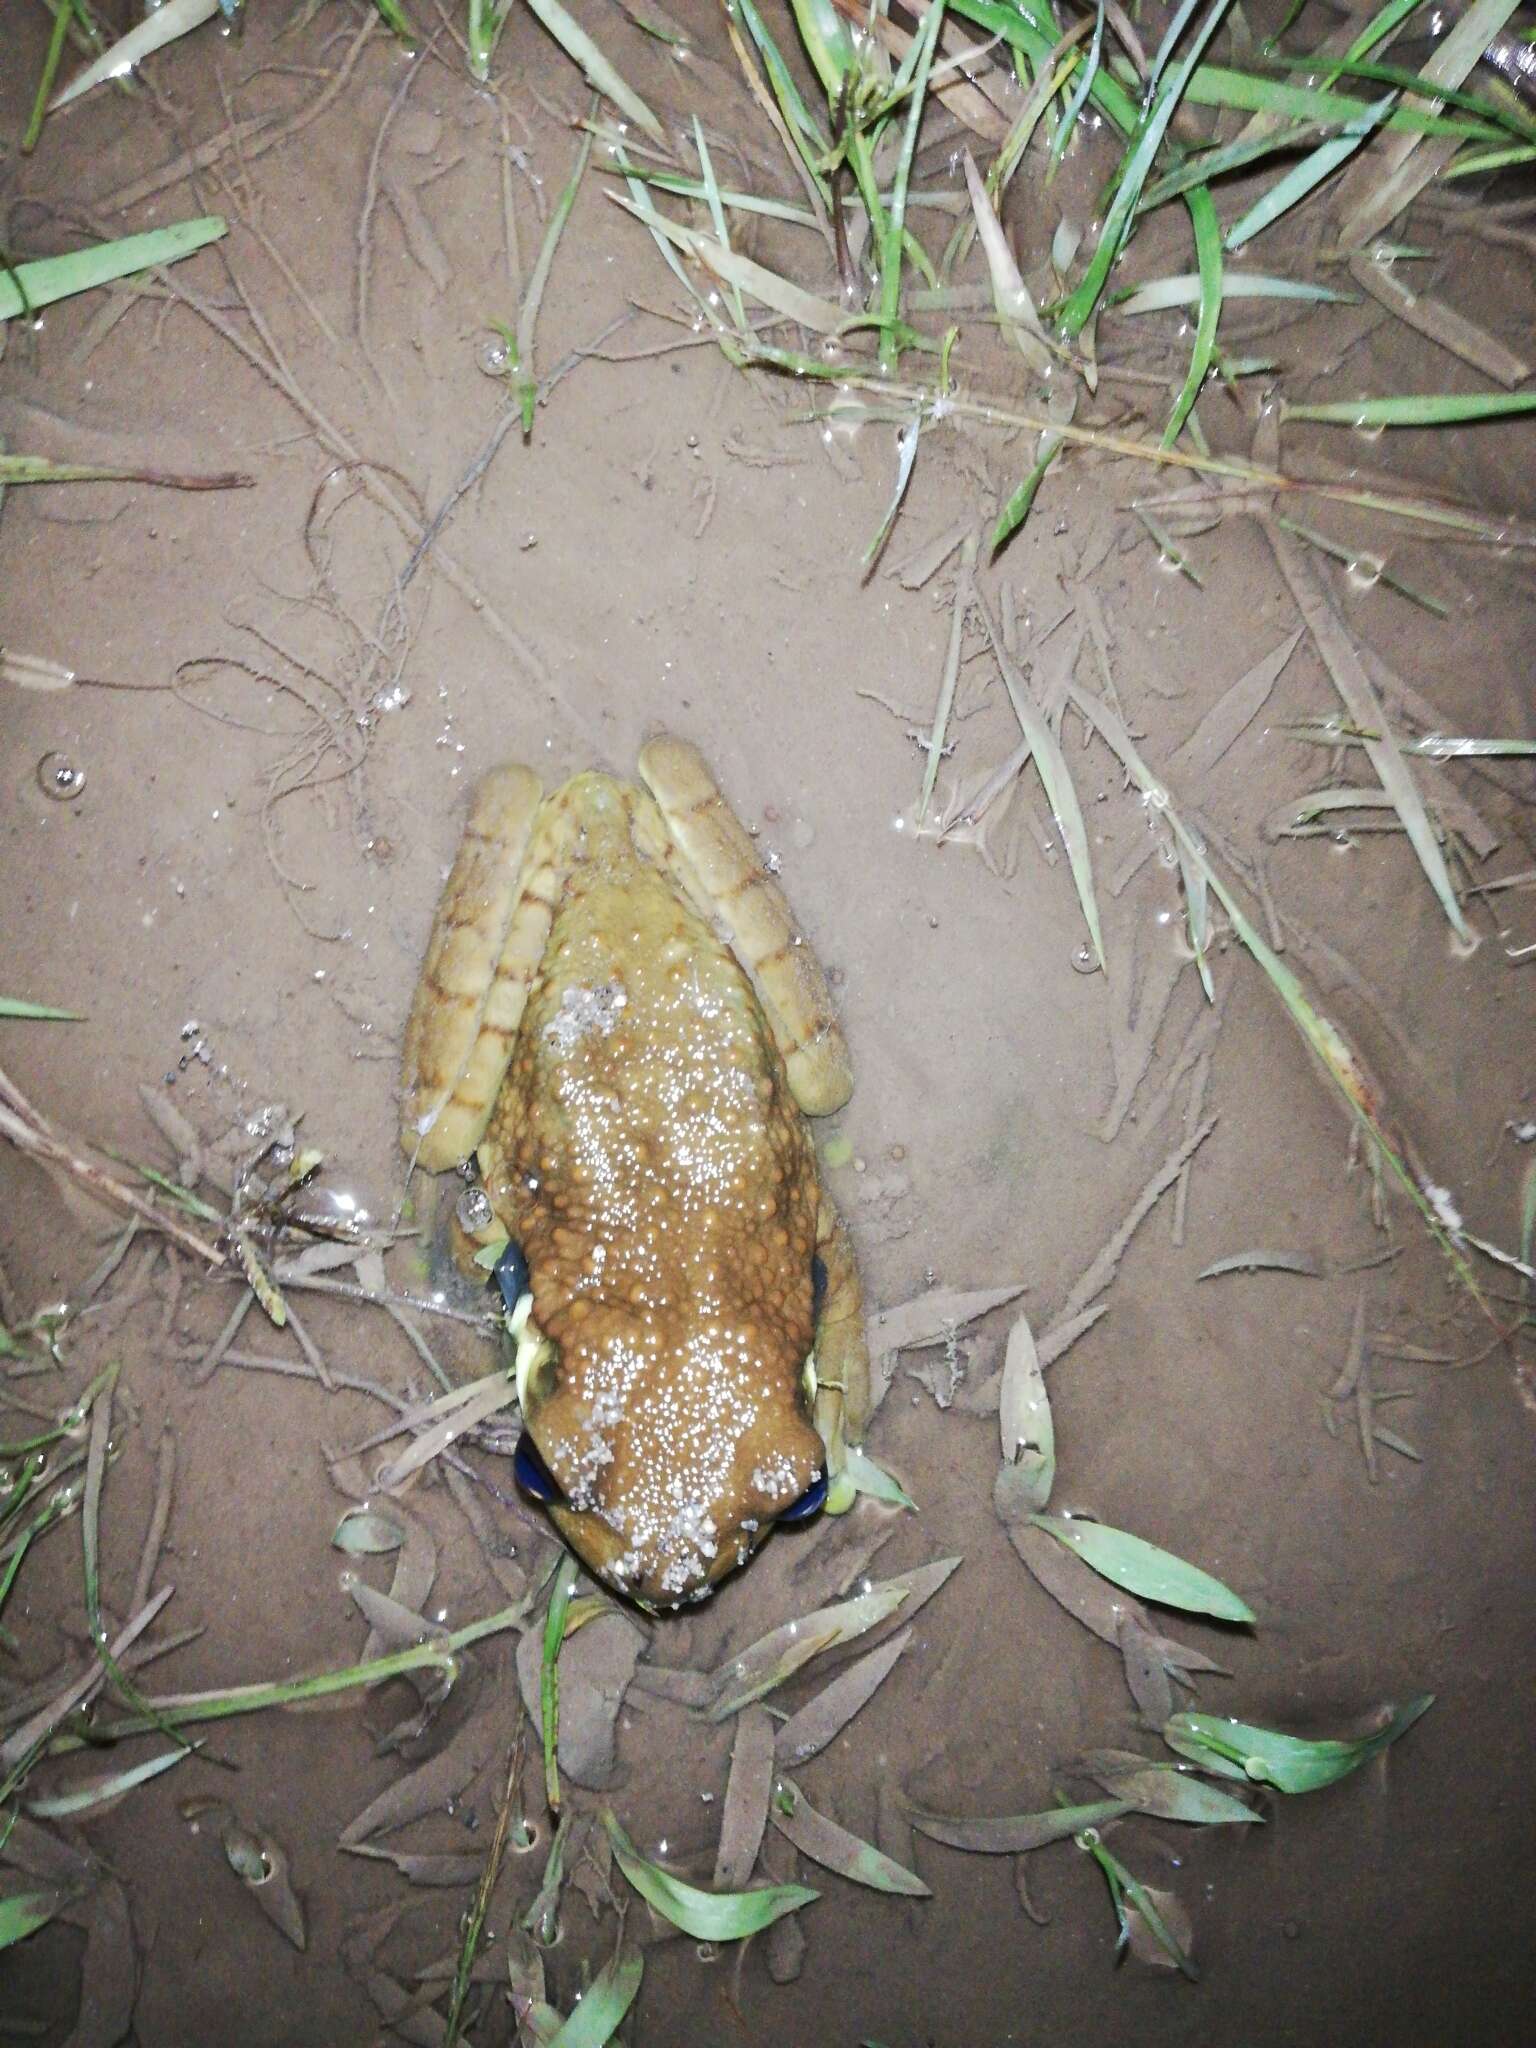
[
  {"x": 509, "y": 1276},
  {"x": 813, "y": 1499},
  {"x": 534, "y": 1476}
]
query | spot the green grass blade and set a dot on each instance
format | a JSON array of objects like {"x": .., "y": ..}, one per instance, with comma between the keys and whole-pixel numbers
[
  {"x": 549, "y": 1676},
  {"x": 1127, "y": 1890},
  {"x": 50, "y": 278},
  {"x": 1380, "y": 26},
  {"x": 1074, "y": 314},
  {"x": 808, "y": 135},
  {"x": 1172, "y": 36},
  {"x": 1474, "y": 163},
  {"x": 13, "y": 1006},
  {"x": 61, "y": 21},
  {"x": 1207, "y": 232},
  {"x": 828, "y": 42},
  {"x": 599, "y": 73},
  {"x": 533, "y": 295},
  {"x": 895, "y": 226},
  {"x": 604, "y": 2003},
  {"x": 1207, "y": 164},
  {"x": 873, "y": 1479},
  {"x": 23, "y": 1913},
  {"x": 707, "y": 1916},
  {"x": 1074, "y": 106},
  {"x": 1442, "y": 409},
  {"x": 101, "y": 1791},
  {"x": 1304, "y": 177},
  {"x": 398, "y": 22},
  {"x": 1216, "y": 85},
  {"x": 1403, "y": 80},
  {"x": 716, "y": 211},
  {"x": 1145, "y": 1570},
  {"x": 1021, "y": 502},
  {"x": 1291, "y": 1763}
]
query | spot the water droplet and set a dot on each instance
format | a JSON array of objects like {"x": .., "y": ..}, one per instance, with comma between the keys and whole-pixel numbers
[
  {"x": 60, "y": 778},
  {"x": 473, "y": 1210},
  {"x": 1085, "y": 960},
  {"x": 492, "y": 356}
]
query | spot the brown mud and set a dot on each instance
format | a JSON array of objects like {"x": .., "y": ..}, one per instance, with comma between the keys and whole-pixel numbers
[{"x": 239, "y": 896}]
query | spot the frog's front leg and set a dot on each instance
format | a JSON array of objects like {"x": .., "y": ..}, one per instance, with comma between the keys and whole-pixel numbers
[
  {"x": 842, "y": 1351},
  {"x": 488, "y": 938},
  {"x": 712, "y": 857}
]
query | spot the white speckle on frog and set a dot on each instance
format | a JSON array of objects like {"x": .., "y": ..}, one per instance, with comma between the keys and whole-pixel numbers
[
  {"x": 584, "y": 1013},
  {"x": 774, "y": 1477}
]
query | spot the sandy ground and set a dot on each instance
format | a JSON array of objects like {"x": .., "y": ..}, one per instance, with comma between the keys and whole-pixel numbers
[{"x": 238, "y": 899}]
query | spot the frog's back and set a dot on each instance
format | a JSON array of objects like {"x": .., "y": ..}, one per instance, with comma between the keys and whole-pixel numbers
[{"x": 646, "y": 1129}]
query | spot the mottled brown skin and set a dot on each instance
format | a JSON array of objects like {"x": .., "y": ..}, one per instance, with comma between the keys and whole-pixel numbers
[{"x": 647, "y": 1151}]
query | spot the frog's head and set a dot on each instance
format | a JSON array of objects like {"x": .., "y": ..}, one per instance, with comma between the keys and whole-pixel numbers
[{"x": 663, "y": 1458}]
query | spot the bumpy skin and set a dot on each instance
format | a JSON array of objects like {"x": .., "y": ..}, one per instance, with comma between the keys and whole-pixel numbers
[{"x": 636, "y": 1099}]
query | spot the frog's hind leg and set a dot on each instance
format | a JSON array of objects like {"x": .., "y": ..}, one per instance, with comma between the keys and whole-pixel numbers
[
  {"x": 713, "y": 858},
  {"x": 842, "y": 1350},
  {"x": 487, "y": 941}
]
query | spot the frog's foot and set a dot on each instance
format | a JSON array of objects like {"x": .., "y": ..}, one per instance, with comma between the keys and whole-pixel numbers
[
  {"x": 487, "y": 942},
  {"x": 711, "y": 856},
  {"x": 842, "y": 1351}
]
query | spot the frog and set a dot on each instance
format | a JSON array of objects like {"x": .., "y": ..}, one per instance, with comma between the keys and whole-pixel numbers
[{"x": 620, "y": 1023}]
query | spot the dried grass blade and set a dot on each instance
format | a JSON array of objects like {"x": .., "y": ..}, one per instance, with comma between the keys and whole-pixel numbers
[
  {"x": 907, "y": 436},
  {"x": 748, "y": 1790},
  {"x": 825, "y": 1842},
  {"x": 1059, "y": 791},
  {"x": 964, "y": 591},
  {"x": 1339, "y": 1059},
  {"x": 1405, "y": 167},
  {"x": 1365, "y": 710},
  {"x": 766, "y": 286},
  {"x": 1442, "y": 324},
  {"x": 1016, "y": 311},
  {"x": 1012, "y": 1834},
  {"x": 169, "y": 22},
  {"x": 465, "y": 1408},
  {"x": 822, "y": 1719},
  {"x": 600, "y": 74},
  {"x": 1024, "y": 1417},
  {"x": 783, "y": 1651}
]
